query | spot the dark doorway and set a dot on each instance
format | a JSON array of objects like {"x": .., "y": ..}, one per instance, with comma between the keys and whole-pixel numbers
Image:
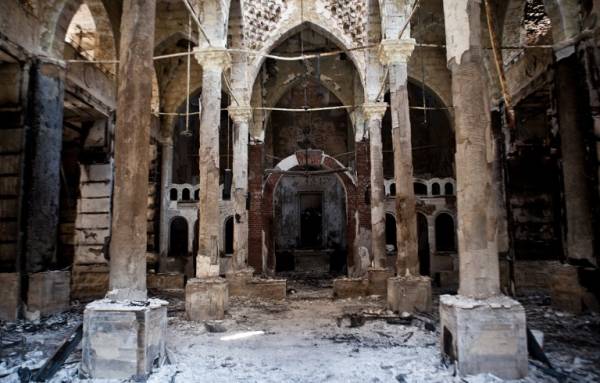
[
  {"x": 311, "y": 220},
  {"x": 423, "y": 238},
  {"x": 444, "y": 233},
  {"x": 390, "y": 230},
  {"x": 178, "y": 238},
  {"x": 229, "y": 235}
]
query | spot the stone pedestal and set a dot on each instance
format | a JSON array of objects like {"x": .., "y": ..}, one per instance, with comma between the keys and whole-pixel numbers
[
  {"x": 123, "y": 340},
  {"x": 206, "y": 298},
  {"x": 484, "y": 336},
  {"x": 165, "y": 281},
  {"x": 238, "y": 280},
  {"x": 350, "y": 287},
  {"x": 409, "y": 294},
  {"x": 9, "y": 304},
  {"x": 378, "y": 281},
  {"x": 49, "y": 292},
  {"x": 566, "y": 291}
]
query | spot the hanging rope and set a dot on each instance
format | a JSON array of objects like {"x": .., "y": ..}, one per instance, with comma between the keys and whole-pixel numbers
[{"x": 510, "y": 113}]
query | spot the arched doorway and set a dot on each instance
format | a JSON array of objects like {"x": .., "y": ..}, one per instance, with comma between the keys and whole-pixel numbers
[
  {"x": 178, "y": 237},
  {"x": 229, "y": 235},
  {"x": 423, "y": 239},
  {"x": 444, "y": 233},
  {"x": 390, "y": 231},
  {"x": 310, "y": 223}
]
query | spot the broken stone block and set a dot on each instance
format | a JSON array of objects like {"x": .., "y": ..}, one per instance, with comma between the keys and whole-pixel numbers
[
  {"x": 350, "y": 287},
  {"x": 49, "y": 292},
  {"x": 123, "y": 340},
  {"x": 484, "y": 336},
  {"x": 409, "y": 294},
  {"x": 378, "y": 281},
  {"x": 166, "y": 281},
  {"x": 9, "y": 304},
  {"x": 206, "y": 298}
]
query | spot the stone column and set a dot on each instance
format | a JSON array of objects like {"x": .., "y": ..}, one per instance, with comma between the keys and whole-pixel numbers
[
  {"x": 378, "y": 273},
  {"x": 482, "y": 330},
  {"x": 117, "y": 323},
  {"x": 242, "y": 273},
  {"x": 408, "y": 291},
  {"x": 206, "y": 295},
  {"x": 132, "y": 140},
  {"x": 166, "y": 178},
  {"x": 373, "y": 115},
  {"x": 241, "y": 117},
  {"x": 44, "y": 145}
]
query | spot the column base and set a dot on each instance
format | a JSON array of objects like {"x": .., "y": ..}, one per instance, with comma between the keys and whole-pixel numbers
[
  {"x": 238, "y": 280},
  {"x": 409, "y": 294},
  {"x": 49, "y": 292},
  {"x": 206, "y": 298},
  {"x": 9, "y": 305},
  {"x": 123, "y": 340},
  {"x": 344, "y": 288},
  {"x": 484, "y": 336},
  {"x": 378, "y": 281}
]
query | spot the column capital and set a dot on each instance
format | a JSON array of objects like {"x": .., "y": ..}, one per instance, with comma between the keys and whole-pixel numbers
[
  {"x": 240, "y": 114},
  {"x": 213, "y": 58},
  {"x": 374, "y": 110},
  {"x": 396, "y": 51}
]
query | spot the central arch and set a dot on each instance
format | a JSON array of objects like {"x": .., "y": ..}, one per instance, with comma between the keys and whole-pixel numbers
[{"x": 313, "y": 161}]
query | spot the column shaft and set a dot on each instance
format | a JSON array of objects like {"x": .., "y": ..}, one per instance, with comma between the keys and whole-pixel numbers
[
  {"x": 374, "y": 114},
  {"x": 132, "y": 140},
  {"x": 407, "y": 262},
  {"x": 165, "y": 181},
  {"x": 478, "y": 256},
  {"x": 241, "y": 117},
  {"x": 44, "y": 145},
  {"x": 208, "y": 237}
]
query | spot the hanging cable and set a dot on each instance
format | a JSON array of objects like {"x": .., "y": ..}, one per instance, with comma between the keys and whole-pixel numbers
[
  {"x": 424, "y": 99},
  {"x": 187, "y": 132}
]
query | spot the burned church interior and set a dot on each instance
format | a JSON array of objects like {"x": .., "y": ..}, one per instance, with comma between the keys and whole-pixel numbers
[{"x": 300, "y": 191}]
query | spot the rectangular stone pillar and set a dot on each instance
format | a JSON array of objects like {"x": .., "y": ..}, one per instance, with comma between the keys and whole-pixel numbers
[
  {"x": 481, "y": 330},
  {"x": 373, "y": 115},
  {"x": 124, "y": 335},
  {"x": 207, "y": 295},
  {"x": 43, "y": 154},
  {"x": 578, "y": 196}
]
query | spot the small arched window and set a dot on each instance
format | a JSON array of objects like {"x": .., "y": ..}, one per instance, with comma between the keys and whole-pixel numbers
[
  {"x": 185, "y": 194},
  {"x": 173, "y": 194},
  {"x": 392, "y": 189},
  {"x": 420, "y": 188},
  {"x": 449, "y": 189},
  {"x": 435, "y": 189}
]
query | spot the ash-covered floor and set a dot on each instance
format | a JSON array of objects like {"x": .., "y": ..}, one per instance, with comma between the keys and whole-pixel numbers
[{"x": 303, "y": 339}]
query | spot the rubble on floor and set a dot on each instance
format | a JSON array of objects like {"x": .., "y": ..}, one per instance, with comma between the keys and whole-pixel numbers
[{"x": 310, "y": 338}]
